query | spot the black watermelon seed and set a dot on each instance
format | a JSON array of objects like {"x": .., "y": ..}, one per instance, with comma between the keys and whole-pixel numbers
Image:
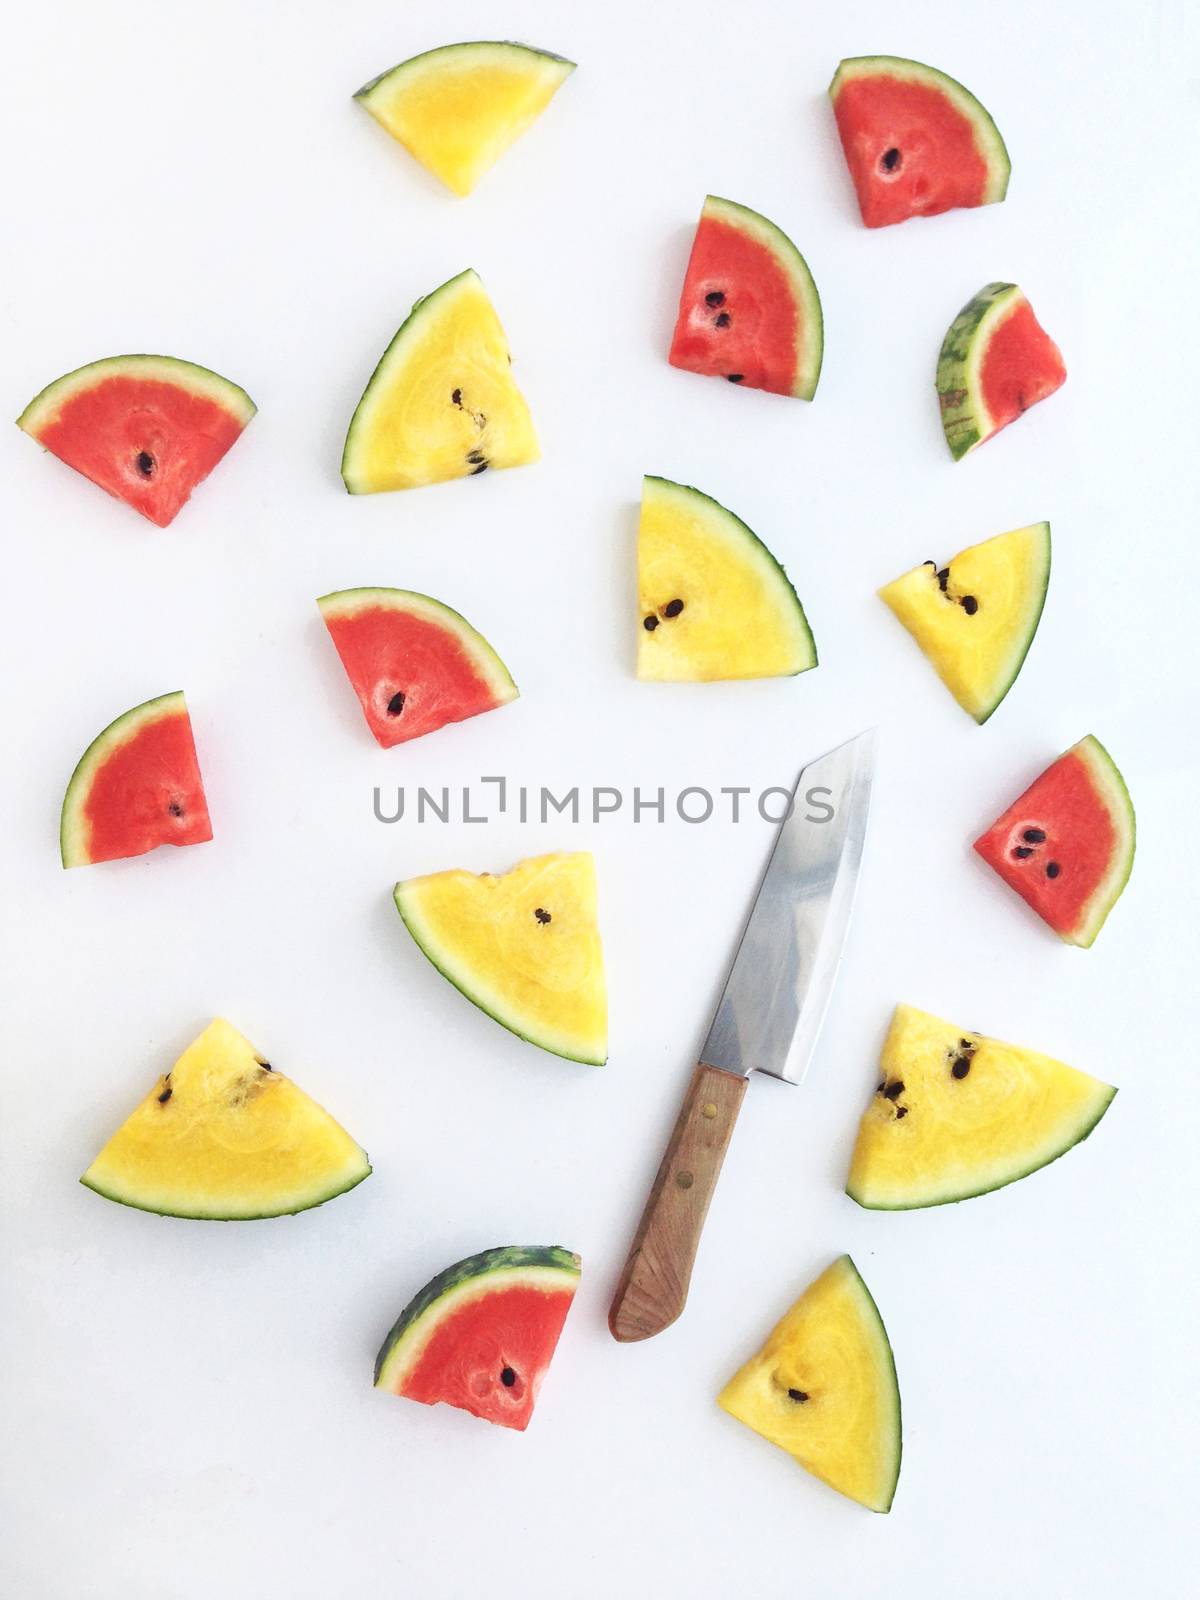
[
  {"x": 175, "y": 808},
  {"x": 165, "y": 1095},
  {"x": 456, "y": 398},
  {"x": 960, "y": 1068},
  {"x": 266, "y": 1066},
  {"x": 508, "y": 1377},
  {"x": 965, "y": 1044},
  {"x": 890, "y": 160},
  {"x": 475, "y": 471},
  {"x": 649, "y": 623},
  {"x": 881, "y": 1088},
  {"x": 714, "y": 298},
  {"x": 672, "y": 608},
  {"x": 724, "y": 320},
  {"x": 798, "y": 1395},
  {"x": 542, "y": 916},
  {"x": 969, "y": 604},
  {"x": 894, "y": 1089},
  {"x": 943, "y": 578},
  {"x": 396, "y": 705},
  {"x": 476, "y": 456},
  {"x": 932, "y": 564},
  {"x": 1022, "y": 852},
  {"x": 901, "y": 1111},
  {"x": 735, "y": 377},
  {"x": 145, "y": 463},
  {"x": 1053, "y": 869},
  {"x": 1034, "y": 836}
]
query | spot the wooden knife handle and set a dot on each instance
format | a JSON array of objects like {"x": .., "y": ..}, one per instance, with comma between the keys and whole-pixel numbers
[{"x": 654, "y": 1284}]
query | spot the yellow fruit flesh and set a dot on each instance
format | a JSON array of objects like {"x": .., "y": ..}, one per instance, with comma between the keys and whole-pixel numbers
[
  {"x": 442, "y": 402},
  {"x": 947, "y": 1136},
  {"x": 977, "y": 654},
  {"x": 841, "y": 1418},
  {"x": 458, "y": 109},
  {"x": 540, "y": 975},
  {"x": 224, "y": 1136},
  {"x": 740, "y": 617}
]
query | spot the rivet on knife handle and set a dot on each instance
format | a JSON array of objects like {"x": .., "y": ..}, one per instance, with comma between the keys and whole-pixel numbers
[{"x": 654, "y": 1284}]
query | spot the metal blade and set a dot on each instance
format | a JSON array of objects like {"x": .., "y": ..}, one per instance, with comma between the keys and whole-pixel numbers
[{"x": 783, "y": 973}]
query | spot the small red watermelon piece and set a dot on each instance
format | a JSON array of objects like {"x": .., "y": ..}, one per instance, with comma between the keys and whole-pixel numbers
[
  {"x": 137, "y": 786},
  {"x": 147, "y": 429},
  {"x": 749, "y": 311},
  {"x": 414, "y": 663},
  {"x": 1066, "y": 846},
  {"x": 916, "y": 142},
  {"x": 481, "y": 1335},
  {"x": 995, "y": 362}
]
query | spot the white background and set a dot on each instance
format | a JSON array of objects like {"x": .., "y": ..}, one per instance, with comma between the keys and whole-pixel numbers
[{"x": 187, "y": 1407}]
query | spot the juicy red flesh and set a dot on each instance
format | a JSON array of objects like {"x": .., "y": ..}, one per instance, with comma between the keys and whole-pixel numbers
[
  {"x": 749, "y": 334},
  {"x": 147, "y": 442},
  {"x": 148, "y": 792},
  {"x": 910, "y": 151},
  {"x": 489, "y": 1356},
  {"x": 411, "y": 675},
  {"x": 1078, "y": 838},
  {"x": 1021, "y": 365}
]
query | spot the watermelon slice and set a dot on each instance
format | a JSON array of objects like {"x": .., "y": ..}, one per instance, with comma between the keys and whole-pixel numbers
[
  {"x": 147, "y": 429},
  {"x": 442, "y": 402},
  {"x": 137, "y": 785},
  {"x": 1066, "y": 846},
  {"x": 458, "y": 108},
  {"x": 749, "y": 311},
  {"x": 975, "y": 617},
  {"x": 482, "y": 1334},
  {"x": 524, "y": 946},
  {"x": 916, "y": 142},
  {"x": 712, "y": 600},
  {"x": 224, "y": 1136},
  {"x": 957, "y": 1115},
  {"x": 824, "y": 1389},
  {"x": 415, "y": 664},
  {"x": 996, "y": 361}
]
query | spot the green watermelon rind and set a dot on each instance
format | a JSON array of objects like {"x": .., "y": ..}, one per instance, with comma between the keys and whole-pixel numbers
[
  {"x": 1024, "y": 644},
  {"x": 291, "y": 1209},
  {"x": 873, "y": 1315},
  {"x": 505, "y": 1266},
  {"x": 73, "y": 830},
  {"x": 1106, "y": 777},
  {"x": 773, "y": 569},
  {"x": 810, "y": 348},
  {"x": 966, "y": 421},
  {"x": 46, "y": 405},
  {"x": 415, "y": 65},
  {"x": 987, "y": 135},
  {"x": 346, "y": 602}
]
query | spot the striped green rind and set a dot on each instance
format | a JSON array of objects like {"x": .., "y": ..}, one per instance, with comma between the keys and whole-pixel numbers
[
  {"x": 46, "y": 405},
  {"x": 1111, "y": 786},
  {"x": 810, "y": 345},
  {"x": 988, "y": 142},
  {"x": 293, "y": 1208},
  {"x": 347, "y": 602},
  {"x": 871, "y": 1313},
  {"x": 454, "y": 53},
  {"x": 1024, "y": 644},
  {"x": 545, "y": 1266},
  {"x": 965, "y": 420},
  {"x": 73, "y": 831}
]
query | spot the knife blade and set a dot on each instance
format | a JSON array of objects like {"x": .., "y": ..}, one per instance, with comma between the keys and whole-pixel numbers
[{"x": 767, "y": 1020}]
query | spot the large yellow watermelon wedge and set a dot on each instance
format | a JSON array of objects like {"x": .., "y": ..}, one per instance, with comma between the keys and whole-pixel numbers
[
  {"x": 442, "y": 402},
  {"x": 957, "y": 1114},
  {"x": 524, "y": 946},
  {"x": 223, "y": 1135},
  {"x": 712, "y": 599},
  {"x": 824, "y": 1389},
  {"x": 458, "y": 108}
]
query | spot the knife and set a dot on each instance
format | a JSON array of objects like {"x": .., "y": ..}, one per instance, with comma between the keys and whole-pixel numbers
[{"x": 767, "y": 1020}]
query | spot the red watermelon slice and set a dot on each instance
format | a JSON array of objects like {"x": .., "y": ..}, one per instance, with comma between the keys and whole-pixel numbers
[
  {"x": 916, "y": 142},
  {"x": 137, "y": 786},
  {"x": 146, "y": 428},
  {"x": 1066, "y": 846},
  {"x": 481, "y": 1335},
  {"x": 995, "y": 362},
  {"x": 415, "y": 664},
  {"x": 749, "y": 311}
]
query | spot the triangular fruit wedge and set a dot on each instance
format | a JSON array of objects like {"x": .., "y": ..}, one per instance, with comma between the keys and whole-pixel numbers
[
  {"x": 482, "y": 1334},
  {"x": 995, "y": 362},
  {"x": 916, "y": 142},
  {"x": 749, "y": 311},
  {"x": 147, "y": 429},
  {"x": 1066, "y": 846},
  {"x": 457, "y": 109},
  {"x": 442, "y": 402},
  {"x": 957, "y": 1114},
  {"x": 137, "y": 785},
  {"x": 713, "y": 602},
  {"x": 975, "y": 617},
  {"x": 415, "y": 664},
  {"x": 524, "y": 946},
  {"x": 824, "y": 1389},
  {"x": 225, "y": 1136}
]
